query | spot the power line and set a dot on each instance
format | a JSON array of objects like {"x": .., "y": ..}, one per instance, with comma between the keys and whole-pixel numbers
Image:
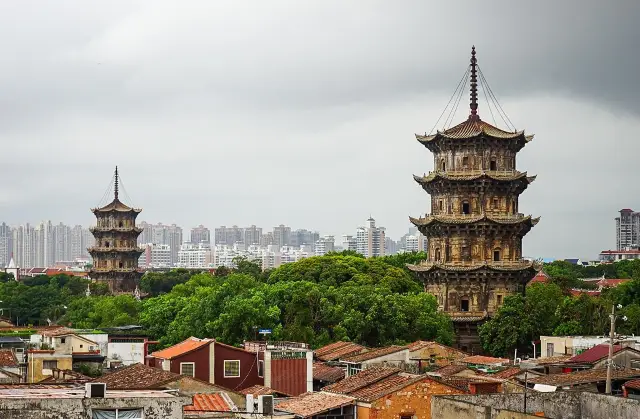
[{"x": 464, "y": 77}]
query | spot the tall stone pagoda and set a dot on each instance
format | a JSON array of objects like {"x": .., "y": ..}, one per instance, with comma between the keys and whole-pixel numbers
[
  {"x": 475, "y": 227},
  {"x": 116, "y": 252}
]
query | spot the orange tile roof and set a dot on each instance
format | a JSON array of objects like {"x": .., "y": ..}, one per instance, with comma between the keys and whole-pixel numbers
[
  {"x": 507, "y": 373},
  {"x": 362, "y": 379},
  {"x": 450, "y": 370},
  {"x": 372, "y": 354},
  {"x": 311, "y": 404},
  {"x": 337, "y": 350},
  {"x": 484, "y": 360},
  {"x": 137, "y": 377},
  {"x": 184, "y": 347},
  {"x": 215, "y": 402},
  {"x": 384, "y": 387},
  {"x": 327, "y": 373},
  {"x": 59, "y": 331},
  {"x": 8, "y": 358}
]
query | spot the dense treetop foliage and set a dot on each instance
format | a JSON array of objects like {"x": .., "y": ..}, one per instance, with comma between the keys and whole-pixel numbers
[{"x": 549, "y": 309}]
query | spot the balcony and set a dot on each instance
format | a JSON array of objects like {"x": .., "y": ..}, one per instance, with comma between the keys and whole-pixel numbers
[
  {"x": 114, "y": 269},
  {"x": 116, "y": 249},
  {"x": 114, "y": 228}
]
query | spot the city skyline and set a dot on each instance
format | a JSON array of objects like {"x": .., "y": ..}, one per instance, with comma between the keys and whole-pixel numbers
[{"x": 295, "y": 142}]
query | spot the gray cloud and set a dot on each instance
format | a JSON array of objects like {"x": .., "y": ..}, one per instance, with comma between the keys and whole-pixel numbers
[{"x": 303, "y": 112}]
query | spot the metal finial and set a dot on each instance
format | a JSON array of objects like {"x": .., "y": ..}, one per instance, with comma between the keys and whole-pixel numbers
[
  {"x": 474, "y": 83},
  {"x": 115, "y": 184}
]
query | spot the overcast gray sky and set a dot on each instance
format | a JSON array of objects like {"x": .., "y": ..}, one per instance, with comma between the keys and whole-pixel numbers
[{"x": 304, "y": 112}]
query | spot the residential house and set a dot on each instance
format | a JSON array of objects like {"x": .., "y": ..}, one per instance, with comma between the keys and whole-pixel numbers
[
  {"x": 286, "y": 369},
  {"x": 485, "y": 364},
  {"x": 592, "y": 380},
  {"x": 42, "y": 362},
  {"x": 144, "y": 377},
  {"x": 324, "y": 375},
  {"x": 631, "y": 389},
  {"x": 10, "y": 371},
  {"x": 433, "y": 354},
  {"x": 337, "y": 350},
  {"x": 574, "y": 345},
  {"x": 397, "y": 356},
  {"x": 75, "y": 403},
  {"x": 456, "y": 370},
  {"x": 319, "y": 405},
  {"x": 596, "y": 357}
]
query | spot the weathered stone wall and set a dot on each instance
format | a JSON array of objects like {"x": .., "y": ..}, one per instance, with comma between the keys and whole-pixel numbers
[
  {"x": 558, "y": 405},
  {"x": 81, "y": 408}
]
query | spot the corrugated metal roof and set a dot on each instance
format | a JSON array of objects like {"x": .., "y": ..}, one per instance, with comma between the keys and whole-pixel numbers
[
  {"x": 215, "y": 402},
  {"x": 595, "y": 354},
  {"x": 186, "y": 346}
]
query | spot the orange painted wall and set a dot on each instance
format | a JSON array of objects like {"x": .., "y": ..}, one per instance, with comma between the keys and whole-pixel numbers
[{"x": 414, "y": 400}]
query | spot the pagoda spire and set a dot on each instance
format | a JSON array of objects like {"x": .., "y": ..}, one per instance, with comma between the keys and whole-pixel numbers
[
  {"x": 474, "y": 85},
  {"x": 115, "y": 185}
]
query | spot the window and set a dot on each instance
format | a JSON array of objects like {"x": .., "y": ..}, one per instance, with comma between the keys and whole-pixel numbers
[
  {"x": 513, "y": 207},
  {"x": 443, "y": 166},
  {"x": 188, "y": 368},
  {"x": 81, "y": 345},
  {"x": 432, "y": 359},
  {"x": 406, "y": 416},
  {"x": 495, "y": 203},
  {"x": 260, "y": 368},
  {"x": 441, "y": 205},
  {"x": 49, "y": 365},
  {"x": 496, "y": 255},
  {"x": 438, "y": 255},
  {"x": 499, "y": 299},
  {"x": 464, "y": 304},
  {"x": 447, "y": 254},
  {"x": 117, "y": 414},
  {"x": 465, "y": 162},
  {"x": 106, "y": 244},
  {"x": 465, "y": 208},
  {"x": 231, "y": 369},
  {"x": 466, "y": 253},
  {"x": 493, "y": 165},
  {"x": 354, "y": 369},
  {"x": 63, "y": 340}
]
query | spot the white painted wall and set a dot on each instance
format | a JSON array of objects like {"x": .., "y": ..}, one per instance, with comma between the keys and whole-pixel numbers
[{"x": 127, "y": 352}]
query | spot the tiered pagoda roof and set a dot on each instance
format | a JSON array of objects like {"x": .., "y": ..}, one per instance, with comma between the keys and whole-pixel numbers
[
  {"x": 502, "y": 266},
  {"x": 116, "y": 205},
  {"x": 473, "y": 219},
  {"x": 468, "y": 175}
]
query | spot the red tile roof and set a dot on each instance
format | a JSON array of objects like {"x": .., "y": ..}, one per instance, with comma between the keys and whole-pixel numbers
[
  {"x": 540, "y": 277},
  {"x": 327, "y": 373},
  {"x": 576, "y": 292},
  {"x": 484, "y": 360},
  {"x": 372, "y": 354},
  {"x": 464, "y": 383},
  {"x": 595, "y": 354},
  {"x": 137, "y": 377},
  {"x": 8, "y": 358},
  {"x": 612, "y": 282},
  {"x": 311, "y": 404},
  {"x": 634, "y": 384},
  {"x": 361, "y": 379},
  {"x": 337, "y": 350},
  {"x": 258, "y": 390},
  {"x": 384, "y": 387},
  {"x": 507, "y": 373},
  {"x": 184, "y": 347},
  {"x": 451, "y": 370},
  {"x": 216, "y": 402}
]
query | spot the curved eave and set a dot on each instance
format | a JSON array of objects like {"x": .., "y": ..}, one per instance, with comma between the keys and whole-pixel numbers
[
  {"x": 486, "y": 265},
  {"x": 119, "y": 210},
  {"x": 432, "y": 177},
  {"x": 421, "y": 222},
  {"x": 519, "y": 135},
  {"x": 115, "y": 230}
]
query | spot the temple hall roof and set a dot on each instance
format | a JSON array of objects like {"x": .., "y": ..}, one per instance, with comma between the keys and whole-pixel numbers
[{"x": 471, "y": 128}]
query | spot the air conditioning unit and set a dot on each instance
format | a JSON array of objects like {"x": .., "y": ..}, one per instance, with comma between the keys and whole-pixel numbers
[
  {"x": 95, "y": 390},
  {"x": 265, "y": 405},
  {"x": 251, "y": 404}
]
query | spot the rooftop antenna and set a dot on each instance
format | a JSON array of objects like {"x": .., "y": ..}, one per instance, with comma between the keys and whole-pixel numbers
[{"x": 474, "y": 85}]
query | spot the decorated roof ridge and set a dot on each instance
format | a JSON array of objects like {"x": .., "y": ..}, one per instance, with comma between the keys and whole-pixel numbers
[
  {"x": 516, "y": 265},
  {"x": 471, "y": 218},
  {"x": 473, "y": 175},
  {"x": 472, "y": 128}
]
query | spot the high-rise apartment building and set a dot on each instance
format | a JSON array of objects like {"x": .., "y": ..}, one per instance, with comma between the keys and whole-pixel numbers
[
  {"x": 627, "y": 229},
  {"x": 228, "y": 235},
  {"x": 324, "y": 245},
  {"x": 195, "y": 255},
  {"x": 370, "y": 240},
  {"x": 200, "y": 234},
  {"x": 6, "y": 244},
  {"x": 281, "y": 235},
  {"x": 24, "y": 246},
  {"x": 252, "y": 235},
  {"x": 170, "y": 235},
  {"x": 267, "y": 239},
  {"x": 349, "y": 243},
  {"x": 81, "y": 241},
  {"x": 62, "y": 243},
  {"x": 301, "y": 237},
  {"x": 155, "y": 256}
]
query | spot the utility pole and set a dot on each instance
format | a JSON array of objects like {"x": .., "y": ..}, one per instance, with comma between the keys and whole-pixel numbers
[{"x": 612, "y": 316}]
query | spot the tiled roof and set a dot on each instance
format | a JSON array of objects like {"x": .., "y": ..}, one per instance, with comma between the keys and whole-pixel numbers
[
  {"x": 384, "y": 387},
  {"x": 336, "y": 350},
  {"x": 540, "y": 277},
  {"x": 311, "y": 404},
  {"x": 327, "y": 373},
  {"x": 560, "y": 359},
  {"x": 186, "y": 346},
  {"x": 215, "y": 402},
  {"x": 634, "y": 384},
  {"x": 584, "y": 377},
  {"x": 374, "y": 353},
  {"x": 612, "y": 282},
  {"x": 8, "y": 358},
  {"x": 59, "y": 331},
  {"x": 472, "y": 219},
  {"x": 502, "y": 266},
  {"x": 464, "y": 383},
  {"x": 473, "y": 127},
  {"x": 116, "y": 205},
  {"x": 362, "y": 379},
  {"x": 507, "y": 373},
  {"x": 474, "y": 175},
  {"x": 595, "y": 354},
  {"x": 450, "y": 370},
  {"x": 258, "y": 390},
  {"x": 424, "y": 344},
  {"x": 484, "y": 360},
  {"x": 137, "y": 377},
  {"x": 576, "y": 292}
]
